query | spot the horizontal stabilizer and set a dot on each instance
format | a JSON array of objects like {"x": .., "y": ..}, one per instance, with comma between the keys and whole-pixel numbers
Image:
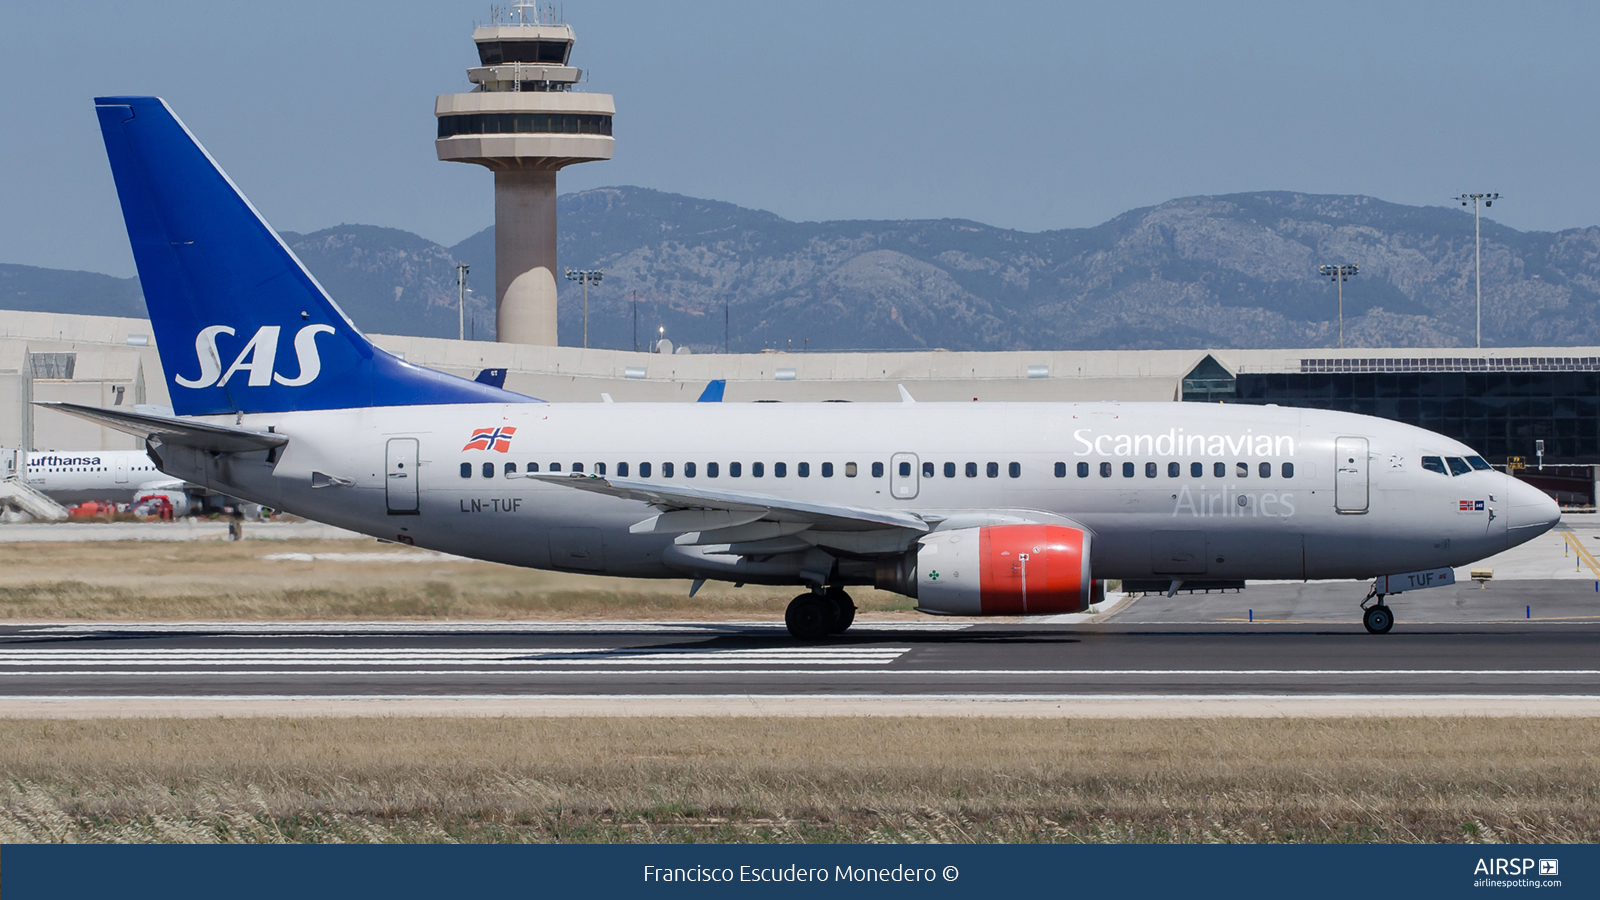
[{"x": 161, "y": 431}]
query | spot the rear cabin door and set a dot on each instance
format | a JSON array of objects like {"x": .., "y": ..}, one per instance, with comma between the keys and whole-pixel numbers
[
  {"x": 903, "y": 476},
  {"x": 400, "y": 477},
  {"x": 1350, "y": 475}
]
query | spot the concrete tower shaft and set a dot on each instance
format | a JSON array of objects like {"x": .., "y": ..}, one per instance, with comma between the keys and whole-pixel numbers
[{"x": 524, "y": 121}]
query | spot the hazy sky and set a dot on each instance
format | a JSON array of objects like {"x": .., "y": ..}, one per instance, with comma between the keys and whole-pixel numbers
[{"x": 1025, "y": 115}]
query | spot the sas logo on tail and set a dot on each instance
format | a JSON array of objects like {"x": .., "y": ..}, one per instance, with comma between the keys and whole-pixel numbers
[
  {"x": 257, "y": 358},
  {"x": 496, "y": 439}
]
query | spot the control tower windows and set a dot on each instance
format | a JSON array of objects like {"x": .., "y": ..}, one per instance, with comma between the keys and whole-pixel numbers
[
  {"x": 550, "y": 53},
  {"x": 524, "y": 123}
]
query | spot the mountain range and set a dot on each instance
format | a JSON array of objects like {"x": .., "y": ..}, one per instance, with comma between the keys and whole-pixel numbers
[{"x": 1237, "y": 270}]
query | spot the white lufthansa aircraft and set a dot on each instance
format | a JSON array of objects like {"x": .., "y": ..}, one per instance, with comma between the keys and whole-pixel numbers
[
  {"x": 971, "y": 508},
  {"x": 79, "y": 475}
]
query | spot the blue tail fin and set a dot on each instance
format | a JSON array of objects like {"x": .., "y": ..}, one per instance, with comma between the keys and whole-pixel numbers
[
  {"x": 713, "y": 391},
  {"x": 240, "y": 323}
]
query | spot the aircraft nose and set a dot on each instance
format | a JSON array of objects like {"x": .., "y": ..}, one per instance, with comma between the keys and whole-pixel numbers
[{"x": 1530, "y": 512}]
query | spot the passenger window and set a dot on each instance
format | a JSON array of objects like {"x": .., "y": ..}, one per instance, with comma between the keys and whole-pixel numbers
[
  {"x": 1149, "y": 470},
  {"x": 1458, "y": 466},
  {"x": 827, "y": 470},
  {"x": 577, "y": 467},
  {"x": 1197, "y": 470},
  {"x": 466, "y": 470},
  {"x": 949, "y": 470},
  {"x": 1061, "y": 469},
  {"x": 1083, "y": 470},
  {"x": 599, "y": 468},
  {"x": 758, "y": 469},
  {"x": 1105, "y": 470},
  {"x": 622, "y": 470},
  {"x": 688, "y": 470},
  {"x": 644, "y": 470},
  {"x": 850, "y": 470},
  {"x": 780, "y": 470},
  {"x": 1174, "y": 470},
  {"x": 972, "y": 470},
  {"x": 1479, "y": 463},
  {"x": 1265, "y": 470},
  {"x": 533, "y": 467},
  {"x": 927, "y": 470},
  {"x": 1243, "y": 469},
  {"x": 1219, "y": 470},
  {"x": 905, "y": 470},
  {"x": 488, "y": 470},
  {"x": 1288, "y": 470},
  {"x": 803, "y": 470},
  {"x": 1434, "y": 464},
  {"x": 992, "y": 470},
  {"x": 711, "y": 470},
  {"x": 735, "y": 469},
  {"x": 555, "y": 467},
  {"x": 1127, "y": 470},
  {"x": 666, "y": 470},
  {"x": 510, "y": 469},
  {"x": 1014, "y": 470}
]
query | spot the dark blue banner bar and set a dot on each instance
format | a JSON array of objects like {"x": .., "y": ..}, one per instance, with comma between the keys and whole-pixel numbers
[{"x": 305, "y": 872}]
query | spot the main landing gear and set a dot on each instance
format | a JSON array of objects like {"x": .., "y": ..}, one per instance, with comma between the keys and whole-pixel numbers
[
  {"x": 816, "y": 614},
  {"x": 1378, "y": 617}
]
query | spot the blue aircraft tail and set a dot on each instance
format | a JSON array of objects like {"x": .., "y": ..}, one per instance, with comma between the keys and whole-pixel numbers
[{"x": 240, "y": 323}]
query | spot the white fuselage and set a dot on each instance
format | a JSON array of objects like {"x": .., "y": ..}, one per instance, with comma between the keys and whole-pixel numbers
[
  {"x": 1160, "y": 521},
  {"x": 76, "y": 476}
]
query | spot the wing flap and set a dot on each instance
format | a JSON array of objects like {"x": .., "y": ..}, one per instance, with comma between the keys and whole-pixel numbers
[{"x": 831, "y": 516}]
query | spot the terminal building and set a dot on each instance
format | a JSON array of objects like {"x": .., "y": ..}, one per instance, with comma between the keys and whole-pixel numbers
[{"x": 1537, "y": 408}]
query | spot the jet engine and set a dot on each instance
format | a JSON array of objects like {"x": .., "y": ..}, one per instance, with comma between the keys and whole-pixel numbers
[{"x": 997, "y": 570}]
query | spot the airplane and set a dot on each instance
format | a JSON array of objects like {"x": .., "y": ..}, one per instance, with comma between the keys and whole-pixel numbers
[
  {"x": 76, "y": 476},
  {"x": 972, "y": 509}
]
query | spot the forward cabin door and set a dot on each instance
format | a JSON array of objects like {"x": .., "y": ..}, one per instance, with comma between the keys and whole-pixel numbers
[
  {"x": 122, "y": 470},
  {"x": 400, "y": 477},
  {"x": 903, "y": 476},
  {"x": 1350, "y": 475}
]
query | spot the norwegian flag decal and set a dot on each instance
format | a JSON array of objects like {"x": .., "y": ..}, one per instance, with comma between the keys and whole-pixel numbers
[{"x": 496, "y": 439}]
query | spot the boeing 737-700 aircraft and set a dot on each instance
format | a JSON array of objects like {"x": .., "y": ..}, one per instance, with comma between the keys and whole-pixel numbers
[{"x": 971, "y": 508}]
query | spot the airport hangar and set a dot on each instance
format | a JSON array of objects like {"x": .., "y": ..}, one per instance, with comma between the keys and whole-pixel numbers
[{"x": 1502, "y": 401}]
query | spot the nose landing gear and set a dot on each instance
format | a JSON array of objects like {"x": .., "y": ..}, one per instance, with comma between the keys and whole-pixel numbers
[
  {"x": 1378, "y": 618},
  {"x": 815, "y": 615}
]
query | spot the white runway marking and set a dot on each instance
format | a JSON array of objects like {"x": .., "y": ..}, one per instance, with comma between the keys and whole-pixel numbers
[{"x": 339, "y": 629}]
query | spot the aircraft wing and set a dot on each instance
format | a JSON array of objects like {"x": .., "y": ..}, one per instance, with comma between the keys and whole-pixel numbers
[
  {"x": 710, "y": 511},
  {"x": 163, "y": 431}
]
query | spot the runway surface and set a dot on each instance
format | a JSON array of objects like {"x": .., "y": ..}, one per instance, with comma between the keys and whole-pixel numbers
[{"x": 932, "y": 658}]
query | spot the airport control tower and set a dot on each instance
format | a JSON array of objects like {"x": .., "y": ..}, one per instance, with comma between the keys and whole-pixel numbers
[{"x": 524, "y": 121}]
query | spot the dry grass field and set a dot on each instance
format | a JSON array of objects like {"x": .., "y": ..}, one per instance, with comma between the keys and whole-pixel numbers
[
  {"x": 352, "y": 579},
  {"x": 801, "y": 780}
]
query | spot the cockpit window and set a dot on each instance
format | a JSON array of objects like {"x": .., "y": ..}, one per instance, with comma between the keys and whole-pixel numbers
[
  {"x": 1479, "y": 463},
  {"x": 1458, "y": 466},
  {"x": 1434, "y": 464}
]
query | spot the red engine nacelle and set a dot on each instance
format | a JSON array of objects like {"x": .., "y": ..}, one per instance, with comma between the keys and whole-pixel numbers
[{"x": 1005, "y": 570}]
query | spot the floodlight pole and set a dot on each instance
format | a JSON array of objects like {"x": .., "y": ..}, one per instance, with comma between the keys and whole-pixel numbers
[
  {"x": 1340, "y": 274},
  {"x": 587, "y": 277},
  {"x": 461, "y": 299},
  {"x": 1477, "y": 252}
]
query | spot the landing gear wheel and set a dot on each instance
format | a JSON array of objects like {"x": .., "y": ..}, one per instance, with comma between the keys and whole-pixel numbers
[
  {"x": 810, "y": 616},
  {"x": 844, "y": 611},
  {"x": 1378, "y": 619}
]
